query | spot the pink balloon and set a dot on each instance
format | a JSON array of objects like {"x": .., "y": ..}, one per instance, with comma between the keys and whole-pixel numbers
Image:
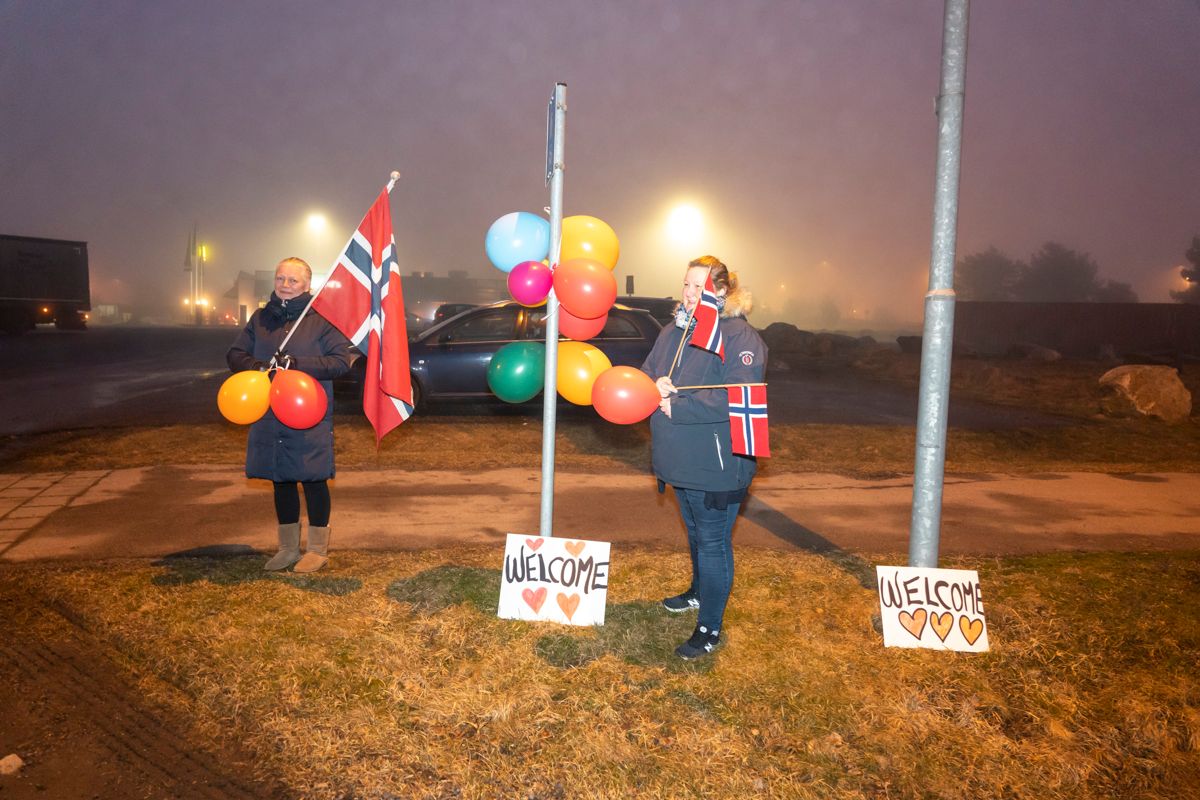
[
  {"x": 624, "y": 395},
  {"x": 579, "y": 329},
  {"x": 529, "y": 282},
  {"x": 585, "y": 287}
]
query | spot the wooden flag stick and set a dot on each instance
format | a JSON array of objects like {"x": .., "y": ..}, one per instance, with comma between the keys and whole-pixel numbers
[
  {"x": 683, "y": 338},
  {"x": 719, "y": 385}
]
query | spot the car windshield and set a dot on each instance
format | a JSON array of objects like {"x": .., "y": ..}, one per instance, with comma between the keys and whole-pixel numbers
[{"x": 617, "y": 327}]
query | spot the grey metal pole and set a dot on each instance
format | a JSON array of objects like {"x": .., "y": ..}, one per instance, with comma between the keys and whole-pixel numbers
[
  {"x": 550, "y": 388},
  {"x": 938, "y": 341}
]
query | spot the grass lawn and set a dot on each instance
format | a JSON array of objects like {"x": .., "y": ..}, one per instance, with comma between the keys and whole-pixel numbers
[{"x": 390, "y": 676}]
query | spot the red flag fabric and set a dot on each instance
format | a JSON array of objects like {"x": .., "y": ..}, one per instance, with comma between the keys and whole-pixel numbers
[
  {"x": 707, "y": 333},
  {"x": 364, "y": 300},
  {"x": 748, "y": 420}
]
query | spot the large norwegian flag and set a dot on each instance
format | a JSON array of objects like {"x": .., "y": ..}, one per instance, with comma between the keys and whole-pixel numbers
[
  {"x": 748, "y": 420},
  {"x": 708, "y": 327},
  {"x": 363, "y": 299}
]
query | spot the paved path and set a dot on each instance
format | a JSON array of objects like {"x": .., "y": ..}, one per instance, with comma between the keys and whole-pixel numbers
[{"x": 157, "y": 511}]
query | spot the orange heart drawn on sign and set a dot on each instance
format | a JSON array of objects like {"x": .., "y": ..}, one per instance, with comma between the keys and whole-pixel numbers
[
  {"x": 534, "y": 598},
  {"x": 568, "y": 604},
  {"x": 971, "y": 629},
  {"x": 575, "y": 548},
  {"x": 942, "y": 624},
  {"x": 914, "y": 623},
  {"x": 534, "y": 544}
]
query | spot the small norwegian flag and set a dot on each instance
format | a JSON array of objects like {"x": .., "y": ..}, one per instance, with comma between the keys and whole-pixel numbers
[
  {"x": 708, "y": 327},
  {"x": 748, "y": 421}
]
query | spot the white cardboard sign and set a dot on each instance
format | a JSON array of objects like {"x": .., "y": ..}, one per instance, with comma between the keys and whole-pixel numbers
[
  {"x": 554, "y": 580},
  {"x": 941, "y": 609}
]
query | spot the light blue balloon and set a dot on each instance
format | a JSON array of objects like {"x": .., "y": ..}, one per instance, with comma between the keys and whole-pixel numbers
[{"x": 517, "y": 237}]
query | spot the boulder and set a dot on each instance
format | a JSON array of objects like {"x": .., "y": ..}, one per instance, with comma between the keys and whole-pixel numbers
[
  {"x": 783, "y": 337},
  {"x": 11, "y": 764},
  {"x": 1028, "y": 351},
  {"x": 909, "y": 344},
  {"x": 1139, "y": 390}
]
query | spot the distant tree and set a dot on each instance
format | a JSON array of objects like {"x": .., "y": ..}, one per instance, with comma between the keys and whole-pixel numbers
[
  {"x": 1114, "y": 292},
  {"x": 1058, "y": 274},
  {"x": 1190, "y": 274},
  {"x": 990, "y": 275}
]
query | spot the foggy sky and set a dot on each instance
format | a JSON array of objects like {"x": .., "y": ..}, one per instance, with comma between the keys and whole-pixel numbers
[{"x": 805, "y": 131}]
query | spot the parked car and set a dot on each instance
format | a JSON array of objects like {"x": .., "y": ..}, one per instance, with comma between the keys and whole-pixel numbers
[
  {"x": 661, "y": 308},
  {"x": 449, "y": 360},
  {"x": 447, "y": 310}
]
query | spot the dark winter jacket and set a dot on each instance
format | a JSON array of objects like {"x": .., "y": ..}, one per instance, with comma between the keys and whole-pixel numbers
[
  {"x": 273, "y": 450},
  {"x": 692, "y": 449}
]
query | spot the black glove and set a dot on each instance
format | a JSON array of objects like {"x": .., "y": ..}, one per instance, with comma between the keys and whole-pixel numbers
[{"x": 283, "y": 360}]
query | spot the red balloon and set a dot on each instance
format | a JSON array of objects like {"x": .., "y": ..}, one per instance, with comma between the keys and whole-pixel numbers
[
  {"x": 624, "y": 395},
  {"x": 585, "y": 287},
  {"x": 297, "y": 399},
  {"x": 579, "y": 329}
]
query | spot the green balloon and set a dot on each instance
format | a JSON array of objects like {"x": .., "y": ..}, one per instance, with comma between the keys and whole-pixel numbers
[{"x": 518, "y": 371}]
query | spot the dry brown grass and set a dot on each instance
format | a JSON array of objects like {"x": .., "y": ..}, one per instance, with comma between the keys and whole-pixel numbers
[
  {"x": 1090, "y": 690},
  {"x": 472, "y": 442}
]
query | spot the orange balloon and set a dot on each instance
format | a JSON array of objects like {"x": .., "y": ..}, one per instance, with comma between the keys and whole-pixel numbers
[
  {"x": 244, "y": 396},
  {"x": 584, "y": 287},
  {"x": 297, "y": 399},
  {"x": 578, "y": 328},
  {"x": 624, "y": 395},
  {"x": 588, "y": 237},
  {"x": 579, "y": 364}
]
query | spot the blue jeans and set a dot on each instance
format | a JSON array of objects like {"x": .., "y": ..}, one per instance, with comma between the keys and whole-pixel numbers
[{"x": 710, "y": 540}]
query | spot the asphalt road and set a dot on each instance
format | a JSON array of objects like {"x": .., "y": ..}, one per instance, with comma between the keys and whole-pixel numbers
[{"x": 120, "y": 376}]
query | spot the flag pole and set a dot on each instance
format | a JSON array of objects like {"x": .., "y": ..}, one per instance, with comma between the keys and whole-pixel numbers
[
  {"x": 683, "y": 338},
  {"x": 556, "y": 128},
  {"x": 718, "y": 386},
  {"x": 395, "y": 176}
]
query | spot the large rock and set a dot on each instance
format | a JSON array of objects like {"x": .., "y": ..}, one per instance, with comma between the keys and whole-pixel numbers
[
  {"x": 11, "y": 764},
  {"x": 783, "y": 337},
  {"x": 1029, "y": 351},
  {"x": 1139, "y": 390}
]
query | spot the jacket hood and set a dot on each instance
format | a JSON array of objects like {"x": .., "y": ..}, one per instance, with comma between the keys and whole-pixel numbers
[{"x": 738, "y": 304}]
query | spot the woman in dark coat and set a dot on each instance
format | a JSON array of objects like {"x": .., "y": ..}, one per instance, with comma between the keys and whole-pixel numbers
[
  {"x": 691, "y": 444},
  {"x": 284, "y": 455}
]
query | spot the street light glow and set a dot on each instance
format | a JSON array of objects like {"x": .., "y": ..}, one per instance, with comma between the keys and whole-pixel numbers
[
  {"x": 316, "y": 222},
  {"x": 685, "y": 224}
]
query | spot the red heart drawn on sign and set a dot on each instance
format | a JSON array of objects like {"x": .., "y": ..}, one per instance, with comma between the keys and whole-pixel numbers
[
  {"x": 568, "y": 604},
  {"x": 942, "y": 624},
  {"x": 575, "y": 548},
  {"x": 914, "y": 623},
  {"x": 534, "y": 544},
  {"x": 971, "y": 629},
  {"x": 534, "y": 598}
]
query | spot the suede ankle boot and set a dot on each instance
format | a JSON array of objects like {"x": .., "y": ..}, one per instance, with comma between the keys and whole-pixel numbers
[
  {"x": 317, "y": 553},
  {"x": 289, "y": 548}
]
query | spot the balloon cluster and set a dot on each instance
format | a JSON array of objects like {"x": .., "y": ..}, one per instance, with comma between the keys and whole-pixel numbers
[
  {"x": 296, "y": 398},
  {"x": 518, "y": 244}
]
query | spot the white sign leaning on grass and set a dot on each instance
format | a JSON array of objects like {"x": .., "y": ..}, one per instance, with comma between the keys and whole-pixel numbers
[
  {"x": 554, "y": 580},
  {"x": 941, "y": 609}
]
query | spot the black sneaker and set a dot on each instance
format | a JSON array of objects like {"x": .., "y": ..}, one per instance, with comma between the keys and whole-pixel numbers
[
  {"x": 681, "y": 602},
  {"x": 702, "y": 642}
]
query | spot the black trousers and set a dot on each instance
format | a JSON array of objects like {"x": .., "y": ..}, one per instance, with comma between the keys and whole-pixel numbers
[{"x": 316, "y": 499}]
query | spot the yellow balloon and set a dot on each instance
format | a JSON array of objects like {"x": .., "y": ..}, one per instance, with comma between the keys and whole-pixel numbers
[
  {"x": 588, "y": 237},
  {"x": 245, "y": 396},
  {"x": 579, "y": 364}
]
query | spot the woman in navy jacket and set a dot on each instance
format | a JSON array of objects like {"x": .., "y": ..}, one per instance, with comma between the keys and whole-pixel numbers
[
  {"x": 286, "y": 456},
  {"x": 691, "y": 447}
]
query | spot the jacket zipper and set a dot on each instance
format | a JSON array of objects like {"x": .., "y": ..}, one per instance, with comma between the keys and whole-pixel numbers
[{"x": 720, "y": 460}]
